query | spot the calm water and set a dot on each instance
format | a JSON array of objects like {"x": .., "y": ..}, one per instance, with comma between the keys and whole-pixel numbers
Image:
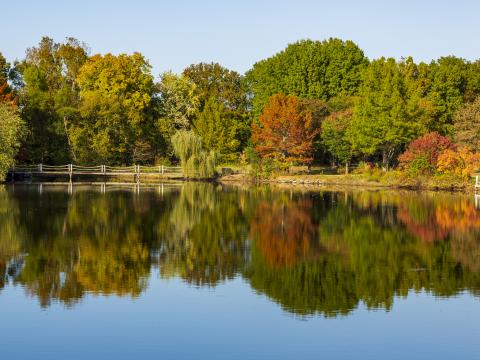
[{"x": 200, "y": 271}]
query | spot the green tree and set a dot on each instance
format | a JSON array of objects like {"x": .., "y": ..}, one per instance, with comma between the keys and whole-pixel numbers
[
  {"x": 214, "y": 81},
  {"x": 196, "y": 162},
  {"x": 226, "y": 87},
  {"x": 218, "y": 130},
  {"x": 308, "y": 69},
  {"x": 178, "y": 100},
  {"x": 467, "y": 125},
  {"x": 177, "y": 107},
  {"x": 335, "y": 136},
  {"x": 386, "y": 112},
  {"x": 49, "y": 98},
  {"x": 12, "y": 132},
  {"x": 449, "y": 85}
]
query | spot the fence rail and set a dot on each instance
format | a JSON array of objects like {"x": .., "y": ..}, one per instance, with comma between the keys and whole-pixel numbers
[{"x": 106, "y": 170}]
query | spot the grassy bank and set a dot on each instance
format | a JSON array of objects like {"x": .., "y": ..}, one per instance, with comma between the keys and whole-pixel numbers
[{"x": 391, "y": 179}]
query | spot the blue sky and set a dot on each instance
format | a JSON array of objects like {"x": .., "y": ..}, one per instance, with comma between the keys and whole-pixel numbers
[{"x": 173, "y": 34}]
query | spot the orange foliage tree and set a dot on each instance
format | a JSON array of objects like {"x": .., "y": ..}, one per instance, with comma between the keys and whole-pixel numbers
[
  {"x": 6, "y": 94},
  {"x": 461, "y": 162},
  {"x": 286, "y": 130}
]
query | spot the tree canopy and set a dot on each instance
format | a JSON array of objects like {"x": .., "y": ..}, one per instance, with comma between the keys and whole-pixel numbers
[
  {"x": 330, "y": 104},
  {"x": 286, "y": 130},
  {"x": 308, "y": 69},
  {"x": 115, "y": 108}
]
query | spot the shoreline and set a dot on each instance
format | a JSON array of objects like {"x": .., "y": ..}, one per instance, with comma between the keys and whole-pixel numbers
[{"x": 354, "y": 181}]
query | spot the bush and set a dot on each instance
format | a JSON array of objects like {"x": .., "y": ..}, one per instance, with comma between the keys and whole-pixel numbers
[
  {"x": 420, "y": 166},
  {"x": 364, "y": 167},
  {"x": 422, "y": 154},
  {"x": 461, "y": 162}
]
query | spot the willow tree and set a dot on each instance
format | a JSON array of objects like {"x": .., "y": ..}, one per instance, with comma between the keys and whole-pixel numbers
[{"x": 196, "y": 162}]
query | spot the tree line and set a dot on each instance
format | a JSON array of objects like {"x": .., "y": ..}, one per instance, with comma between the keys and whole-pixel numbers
[{"x": 318, "y": 102}]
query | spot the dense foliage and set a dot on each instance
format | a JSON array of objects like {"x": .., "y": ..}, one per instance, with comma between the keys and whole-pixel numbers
[
  {"x": 12, "y": 132},
  {"x": 110, "y": 109},
  {"x": 422, "y": 154},
  {"x": 335, "y": 136},
  {"x": 195, "y": 160},
  {"x": 286, "y": 130},
  {"x": 308, "y": 69}
]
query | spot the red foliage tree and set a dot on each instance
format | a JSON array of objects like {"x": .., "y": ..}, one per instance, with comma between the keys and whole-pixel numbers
[
  {"x": 6, "y": 94},
  {"x": 286, "y": 130},
  {"x": 429, "y": 146}
]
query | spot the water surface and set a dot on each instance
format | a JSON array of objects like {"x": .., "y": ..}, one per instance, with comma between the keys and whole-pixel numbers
[{"x": 212, "y": 272}]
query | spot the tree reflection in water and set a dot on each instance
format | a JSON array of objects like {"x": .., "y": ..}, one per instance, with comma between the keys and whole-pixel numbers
[{"x": 312, "y": 252}]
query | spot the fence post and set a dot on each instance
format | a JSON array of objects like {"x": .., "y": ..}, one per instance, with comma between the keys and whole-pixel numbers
[
  {"x": 40, "y": 168},
  {"x": 163, "y": 170},
  {"x": 70, "y": 171}
]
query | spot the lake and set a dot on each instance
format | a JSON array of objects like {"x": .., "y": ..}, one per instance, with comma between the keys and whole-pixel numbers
[{"x": 205, "y": 271}]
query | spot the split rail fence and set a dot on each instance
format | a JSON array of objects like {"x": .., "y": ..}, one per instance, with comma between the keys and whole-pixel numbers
[{"x": 101, "y": 170}]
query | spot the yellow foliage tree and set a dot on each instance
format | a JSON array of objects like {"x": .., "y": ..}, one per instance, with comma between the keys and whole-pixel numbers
[{"x": 461, "y": 162}]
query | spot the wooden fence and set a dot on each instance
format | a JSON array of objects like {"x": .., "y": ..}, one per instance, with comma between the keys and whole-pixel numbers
[{"x": 100, "y": 170}]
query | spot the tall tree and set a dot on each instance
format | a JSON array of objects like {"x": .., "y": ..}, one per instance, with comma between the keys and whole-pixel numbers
[
  {"x": 6, "y": 94},
  {"x": 116, "y": 109},
  {"x": 218, "y": 130},
  {"x": 178, "y": 100},
  {"x": 385, "y": 117},
  {"x": 335, "y": 136},
  {"x": 449, "y": 87},
  {"x": 12, "y": 132},
  {"x": 214, "y": 81},
  {"x": 308, "y": 69},
  {"x": 177, "y": 107},
  {"x": 285, "y": 130},
  {"x": 49, "y": 98},
  {"x": 467, "y": 125},
  {"x": 226, "y": 87}
]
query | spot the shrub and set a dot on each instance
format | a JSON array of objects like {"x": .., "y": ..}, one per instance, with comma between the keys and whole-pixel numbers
[
  {"x": 461, "y": 162},
  {"x": 422, "y": 154},
  {"x": 420, "y": 165}
]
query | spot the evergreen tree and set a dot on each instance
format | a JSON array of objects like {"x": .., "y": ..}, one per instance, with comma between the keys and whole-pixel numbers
[
  {"x": 218, "y": 130},
  {"x": 385, "y": 116}
]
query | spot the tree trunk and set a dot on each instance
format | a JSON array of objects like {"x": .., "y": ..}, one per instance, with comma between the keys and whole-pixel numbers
[
  {"x": 387, "y": 156},
  {"x": 68, "y": 139},
  {"x": 346, "y": 168}
]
